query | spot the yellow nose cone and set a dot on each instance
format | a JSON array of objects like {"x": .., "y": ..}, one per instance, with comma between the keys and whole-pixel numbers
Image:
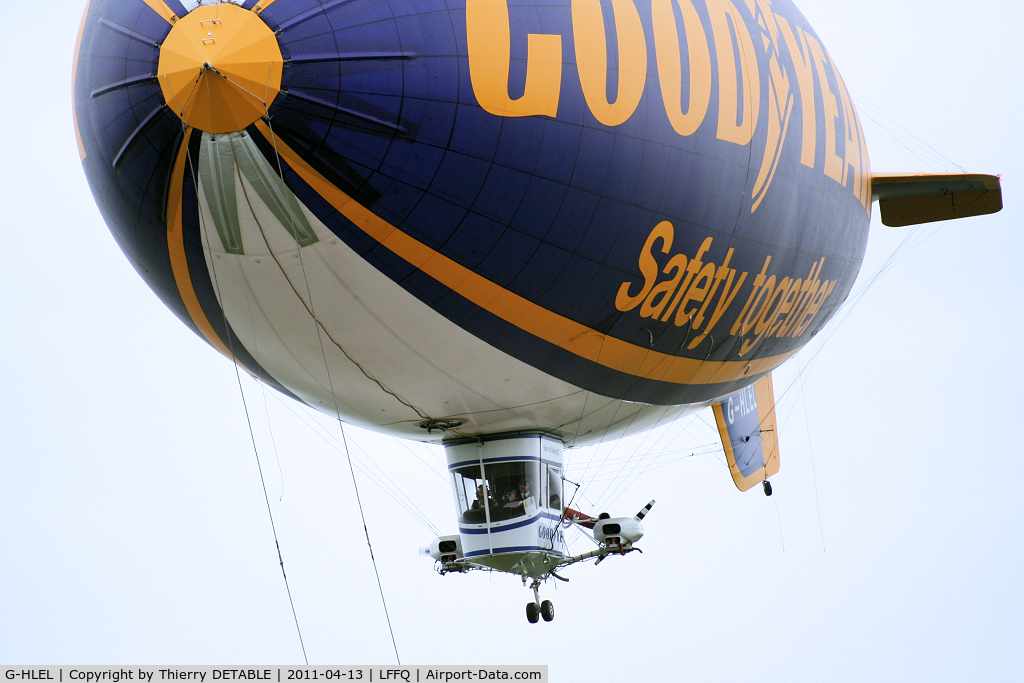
[{"x": 220, "y": 68}]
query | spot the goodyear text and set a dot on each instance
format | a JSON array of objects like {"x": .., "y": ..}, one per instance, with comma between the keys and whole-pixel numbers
[{"x": 753, "y": 53}]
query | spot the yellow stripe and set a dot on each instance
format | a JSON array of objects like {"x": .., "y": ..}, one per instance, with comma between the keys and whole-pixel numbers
[
  {"x": 262, "y": 5},
  {"x": 567, "y": 334},
  {"x": 163, "y": 10},
  {"x": 176, "y": 249},
  {"x": 74, "y": 81}
]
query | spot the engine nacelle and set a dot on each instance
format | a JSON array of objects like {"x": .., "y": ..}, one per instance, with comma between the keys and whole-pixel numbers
[
  {"x": 618, "y": 530},
  {"x": 446, "y": 549}
]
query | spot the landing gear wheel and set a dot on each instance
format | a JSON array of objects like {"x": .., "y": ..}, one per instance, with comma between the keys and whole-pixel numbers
[
  {"x": 532, "y": 613},
  {"x": 547, "y": 610}
]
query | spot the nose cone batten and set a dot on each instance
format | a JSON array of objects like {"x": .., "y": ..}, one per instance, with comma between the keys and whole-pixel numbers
[{"x": 220, "y": 68}]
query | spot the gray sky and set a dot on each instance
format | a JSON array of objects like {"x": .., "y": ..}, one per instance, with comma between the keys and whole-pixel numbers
[{"x": 133, "y": 527}]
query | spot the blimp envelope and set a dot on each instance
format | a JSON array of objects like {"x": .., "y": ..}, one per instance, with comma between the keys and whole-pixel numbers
[
  {"x": 746, "y": 423},
  {"x": 344, "y": 198}
]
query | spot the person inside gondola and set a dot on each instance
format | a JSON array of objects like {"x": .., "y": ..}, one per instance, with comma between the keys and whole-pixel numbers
[
  {"x": 481, "y": 497},
  {"x": 511, "y": 498}
]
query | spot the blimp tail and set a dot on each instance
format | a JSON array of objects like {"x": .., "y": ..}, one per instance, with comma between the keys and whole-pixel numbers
[
  {"x": 747, "y": 424},
  {"x": 925, "y": 198}
]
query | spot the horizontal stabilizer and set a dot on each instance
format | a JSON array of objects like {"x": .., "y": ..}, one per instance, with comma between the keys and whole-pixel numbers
[
  {"x": 924, "y": 198},
  {"x": 746, "y": 423}
]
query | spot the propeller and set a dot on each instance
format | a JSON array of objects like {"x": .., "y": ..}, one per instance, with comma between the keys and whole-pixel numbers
[{"x": 643, "y": 513}]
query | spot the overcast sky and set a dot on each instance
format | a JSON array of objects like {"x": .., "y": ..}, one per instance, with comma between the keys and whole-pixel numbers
[{"x": 133, "y": 527}]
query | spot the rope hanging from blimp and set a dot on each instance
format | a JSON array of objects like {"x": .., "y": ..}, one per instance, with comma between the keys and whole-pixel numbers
[
  {"x": 810, "y": 449},
  {"x": 337, "y": 409},
  {"x": 414, "y": 510},
  {"x": 633, "y": 382},
  {"x": 901, "y": 135},
  {"x": 193, "y": 174},
  {"x": 389, "y": 487},
  {"x": 395, "y": 492}
]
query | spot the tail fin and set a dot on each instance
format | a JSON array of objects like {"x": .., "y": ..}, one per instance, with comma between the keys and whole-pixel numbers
[
  {"x": 643, "y": 513},
  {"x": 746, "y": 423},
  {"x": 923, "y": 198}
]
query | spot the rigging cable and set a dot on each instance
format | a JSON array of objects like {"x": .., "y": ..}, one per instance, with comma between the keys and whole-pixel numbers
[
  {"x": 407, "y": 503},
  {"x": 633, "y": 475},
  {"x": 380, "y": 586},
  {"x": 383, "y": 482},
  {"x": 620, "y": 486},
  {"x": 810, "y": 449},
  {"x": 901, "y": 135},
  {"x": 614, "y": 418},
  {"x": 270, "y": 428},
  {"x": 231, "y": 347},
  {"x": 337, "y": 410},
  {"x": 779, "y": 517},
  {"x": 256, "y": 352},
  {"x": 270, "y": 513}
]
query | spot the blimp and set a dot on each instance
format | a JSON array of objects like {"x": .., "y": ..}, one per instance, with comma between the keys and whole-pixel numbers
[{"x": 510, "y": 228}]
